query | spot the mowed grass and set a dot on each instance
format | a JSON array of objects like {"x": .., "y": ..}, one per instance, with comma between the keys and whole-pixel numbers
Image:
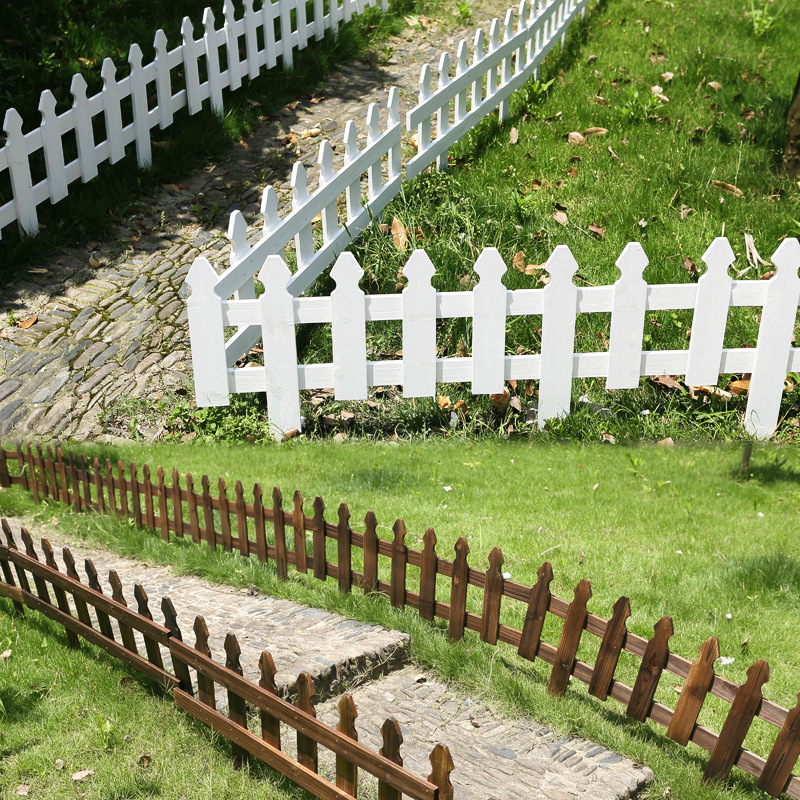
[
  {"x": 64, "y": 712},
  {"x": 672, "y": 529}
]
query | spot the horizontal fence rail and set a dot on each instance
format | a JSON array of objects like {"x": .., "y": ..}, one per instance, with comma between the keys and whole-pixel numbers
[
  {"x": 225, "y": 56},
  {"x": 38, "y": 584},
  {"x": 489, "y": 304},
  {"x": 289, "y": 536}
]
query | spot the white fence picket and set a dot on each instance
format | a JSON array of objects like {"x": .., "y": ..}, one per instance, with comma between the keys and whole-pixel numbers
[
  {"x": 419, "y": 327},
  {"x": 84, "y": 135},
  {"x": 211, "y": 45},
  {"x": 141, "y": 121},
  {"x": 191, "y": 72},
  {"x": 53, "y": 147},
  {"x": 348, "y": 330},
  {"x": 280, "y": 348},
  {"x": 163, "y": 80},
  {"x": 231, "y": 46},
  {"x": 627, "y": 320},
  {"x": 558, "y": 335},
  {"x": 506, "y": 63},
  {"x": 251, "y": 39},
  {"x": 269, "y": 12},
  {"x": 489, "y": 324},
  {"x": 286, "y": 34},
  {"x": 20, "y": 171},
  {"x": 443, "y": 114},
  {"x": 112, "y": 111},
  {"x": 304, "y": 240},
  {"x": 710, "y": 314},
  {"x": 774, "y": 348}
]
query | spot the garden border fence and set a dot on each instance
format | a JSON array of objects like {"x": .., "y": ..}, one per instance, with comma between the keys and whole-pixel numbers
[
  {"x": 271, "y": 35},
  {"x": 70, "y": 481},
  {"x": 274, "y": 316},
  {"x": 198, "y": 697}
]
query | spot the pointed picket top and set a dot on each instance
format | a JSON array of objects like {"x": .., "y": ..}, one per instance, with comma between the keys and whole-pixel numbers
[
  {"x": 718, "y": 257},
  {"x": 632, "y": 262},
  {"x": 160, "y": 43},
  {"x": 202, "y": 278},
  {"x": 209, "y": 21},
  {"x": 509, "y": 25},
  {"x": 373, "y": 122},
  {"x": 269, "y": 210},
  {"x": 496, "y": 560},
  {"x": 187, "y": 30},
  {"x": 77, "y": 88},
  {"x": 299, "y": 185},
  {"x": 393, "y": 104},
  {"x": 237, "y": 235},
  {"x": 347, "y": 272},
  {"x": 479, "y": 45},
  {"x": 325, "y": 163},
  {"x": 461, "y": 57},
  {"x": 201, "y": 636},
  {"x": 425, "y": 82},
  {"x": 787, "y": 260},
  {"x": 275, "y": 274},
  {"x": 108, "y": 72},
  {"x": 350, "y": 140},
  {"x": 47, "y": 104},
  {"x": 233, "y": 653},
  {"x": 523, "y": 16},
  {"x": 12, "y": 123},
  {"x": 228, "y": 12},
  {"x": 494, "y": 34},
  {"x": 135, "y": 56},
  {"x": 490, "y": 267},
  {"x": 419, "y": 270},
  {"x": 444, "y": 69},
  {"x": 561, "y": 267}
]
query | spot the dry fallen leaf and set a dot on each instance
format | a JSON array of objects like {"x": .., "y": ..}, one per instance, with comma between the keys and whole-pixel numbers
[
  {"x": 739, "y": 387},
  {"x": 514, "y": 136},
  {"x": 572, "y": 172},
  {"x": 666, "y": 381},
  {"x": 686, "y": 211},
  {"x": 414, "y": 141},
  {"x": 575, "y": 138},
  {"x": 444, "y": 402},
  {"x": 612, "y": 153},
  {"x": 767, "y": 275},
  {"x": 519, "y": 261},
  {"x": 26, "y": 323},
  {"x": 601, "y": 232},
  {"x": 532, "y": 269},
  {"x": 690, "y": 266},
  {"x": 94, "y": 261},
  {"x": 668, "y": 442},
  {"x": 595, "y": 131},
  {"x": 501, "y": 400},
  {"x": 715, "y": 85},
  {"x": 289, "y": 139},
  {"x": 729, "y": 188},
  {"x": 399, "y": 235},
  {"x": 23, "y": 789},
  {"x": 560, "y": 217},
  {"x": 5, "y": 654},
  {"x": 461, "y": 408},
  {"x": 82, "y": 775},
  {"x": 144, "y": 760},
  {"x": 667, "y": 76},
  {"x": 308, "y": 133}
]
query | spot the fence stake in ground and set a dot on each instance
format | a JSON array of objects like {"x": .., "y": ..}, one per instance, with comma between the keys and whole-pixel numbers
[
  {"x": 392, "y": 739},
  {"x": 538, "y": 603},
  {"x": 654, "y": 660},
  {"x": 143, "y": 608},
  {"x": 344, "y": 549},
  {"x": 306, "y": 747},
  {"x": 370, "y": 555},
  {"x": 237, "y": 708},
  {"x": 778, "y": 769},
  {"x": 205, "y": 685},
  {"x": 695, "y": 688},
  {"x": 346, "y": 772},
  {"x": 179, "y": 666},
  {"x": 610, "y": 648},
  {"x": 270, "y": 726},
  {"x": 80, "y": 604},
  {"x": 427, "y": 576},
  {"x": 458, "y": 591},
  {"x": 574, "y": 624},
  {"x": 125, "y": 630}
]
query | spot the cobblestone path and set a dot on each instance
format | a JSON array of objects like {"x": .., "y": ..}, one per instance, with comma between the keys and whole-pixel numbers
[
  {"x": 496, "y": 757},
  {"x": 120, "y": 327}
]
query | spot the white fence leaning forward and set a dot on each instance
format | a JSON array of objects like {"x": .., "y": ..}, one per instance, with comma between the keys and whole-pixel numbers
[
  {"x": 348, "y": 309},
  {"x": 266, "y": 36}
]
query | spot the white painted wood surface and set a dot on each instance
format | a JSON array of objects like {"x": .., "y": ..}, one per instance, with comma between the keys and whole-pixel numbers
[
  {"x": 489, "y": 305},
  {"x": 233, "y": 36}
]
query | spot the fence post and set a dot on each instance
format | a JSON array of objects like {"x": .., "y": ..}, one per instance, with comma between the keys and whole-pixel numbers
[
  {"x": 697, "y": 684},
  {"x": 20, "y": 171},
  {"x": 373, "y": 134},
  {"x": 53, "y": 147},
  {"x": 84, "y": 133},
  {"x": 424, "y": 128},
  {"x": 370, "y": 583},
  {"x": 251, "y": 39},
  {"x": 395, "y": 158},
  {"x": 489, "y": 324},
  {"x": 237, "y": 708},
  {"x": 299, "y": 524},
  {"x": 710, "y": 314},
  {"x": 344, "y": 549},
  {"x": 306, "y": 746},
  {"x": 494, "y": 44},
  {"x": 392, "y": 739},
  {"x": 207, "y": 336},
  {"x": 286, "y": 35},
  {"x": 427, "y": 576},
  {"x": 330, "y": 214},
  {"x": 419, "y": 327},
  {"x": 348, "y": 330},
  {"x": 774, "y": 342},
  {"x": 304, "y": 239},
  {"x": 279, "y": 527},
  {"x": 280, "y": 348},
  {"x": 492, "y": 597},
  {"x": 143, "y": 608},
  {"x": 479, "y": 46},
  {"x": 783, "y": 755},
  {"x": 627, "y": 320},
  {"x": 205, "y": 685},
  {"x": 558, "y": 335},
  {"x": 398, "y": 570},
  {"x": 460, "y": 110},
  {"x": 270, "y": 726}
]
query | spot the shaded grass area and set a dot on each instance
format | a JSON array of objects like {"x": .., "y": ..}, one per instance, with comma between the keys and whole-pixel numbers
[
  {"x": 46, "y": 43},
  {"x": 64, "y": 712},
  {"x": 672, "y": 529}
]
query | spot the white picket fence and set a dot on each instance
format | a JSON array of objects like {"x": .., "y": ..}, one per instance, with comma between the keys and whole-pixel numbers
[
  {"x": 493, "y": 76},
  {"x": 270, "y": 35},
  {"x": 488, "y": 305}
]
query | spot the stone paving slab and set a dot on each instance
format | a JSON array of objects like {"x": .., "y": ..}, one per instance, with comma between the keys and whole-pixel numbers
[
  {"x": 111, "y": 315},
  {"x": 496, "y": 756}
]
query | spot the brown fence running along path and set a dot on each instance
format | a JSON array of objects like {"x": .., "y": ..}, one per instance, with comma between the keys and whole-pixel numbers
[
  {"x": 197, "y": 696},
  {"x": 68, "y": 480}
]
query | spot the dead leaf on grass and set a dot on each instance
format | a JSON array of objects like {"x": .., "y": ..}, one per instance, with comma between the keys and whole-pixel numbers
[
  {"x": 729, "y": 188},
  {"x": 560, "y": 217},
  {"x": 444, "y": 402},
  {"x": 667, "y": 76},
  {"x": 519, "y": 261},
  {"x": 612, "y": 153},
  {"x": 461, "y": 408},
  {"x": 596, "y": 229},
  {"x": 399, "y": 235},
  {"x": 666, "y": 381},
  {"x": 686, "y": 211},
  {"x": 82, "y": 775},
  {"x": 501, "y": 400},
  {"x": 715, "y": 85},
  {"x": 690, "y": 266},
  {"x": 513, "y": 136},
  {"x": 595, "y": 131},
  {"x": 739, "y": 387},
  {"x": 575, "y": 138}
]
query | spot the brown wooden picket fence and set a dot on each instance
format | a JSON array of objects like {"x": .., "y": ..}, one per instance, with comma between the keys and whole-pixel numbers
[
  {"x": 49, "y": 582},
  {"x": 71, "y": 481}
]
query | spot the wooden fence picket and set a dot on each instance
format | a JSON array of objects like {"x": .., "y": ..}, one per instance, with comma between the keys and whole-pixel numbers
[
  {"x": 237, "y": 708},
  {"x": 270, "y": 726},
  {"x": 344, "y": 550},
  {"x": 205, "y": 684},
  {"x": 398, "y": 568},
  {"x": 125, "y": 630},
  {"x": 392, "y": 739},
  {"x": 538, "y": 604},
  {"x": 279, "y": 525},
  {"x": 61, "y": 597},
  {"x": 346, "y": 771},
  {"x": 458, "y": 591},
  {"x": 574, "y": 623},
  {"x": 427, "y": 576},
  {"x": 653, "y": 662},
  {"x": 81, "y": 606},
  {"x": 370, "y": 554},
  {"x": 318, "y": 543},
  {"x": 783, "y": 756},
  {"x": 306, "y": 747},
  {"x": 694, "y": 691},
  {"x": 492, "y": 597},
  {"x": 610, "y": 648},
  {"x": 143, "y": 609}
]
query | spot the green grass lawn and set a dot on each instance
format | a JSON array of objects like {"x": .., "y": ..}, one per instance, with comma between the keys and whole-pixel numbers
[
  {"x": 673, "y": 529},
  {"x": 64, "y": 712}
]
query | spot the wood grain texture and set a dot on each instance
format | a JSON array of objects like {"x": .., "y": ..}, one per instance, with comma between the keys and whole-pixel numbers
[
  {"x": 306, "y": 746},
  {"x": 346, "y": 771},
  {"x": 458, "y": 591},
  {"x": 205, "y": 685},
  {"x": 270, "y": 726},
  {"x": 693, "y": 693},
  {"x": 653, "y": 663},
  {"x": 783, "y": 756},
  {"x": 369, "y": 581},
  {"x": 538, "y": 603},
  {"x": 392, "y": 740},
  {"x": 441, "y": 767},
  {"x": 427, "y": 576},
  {"x": 299, "y": 525},
  {"x": 492, "y": 597},
  {"x": 610, "y": 648},
  {"x": 398, "y": 569},
  {"x": 570, "y": 639},
  {"x": 344, "y": 550}
]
